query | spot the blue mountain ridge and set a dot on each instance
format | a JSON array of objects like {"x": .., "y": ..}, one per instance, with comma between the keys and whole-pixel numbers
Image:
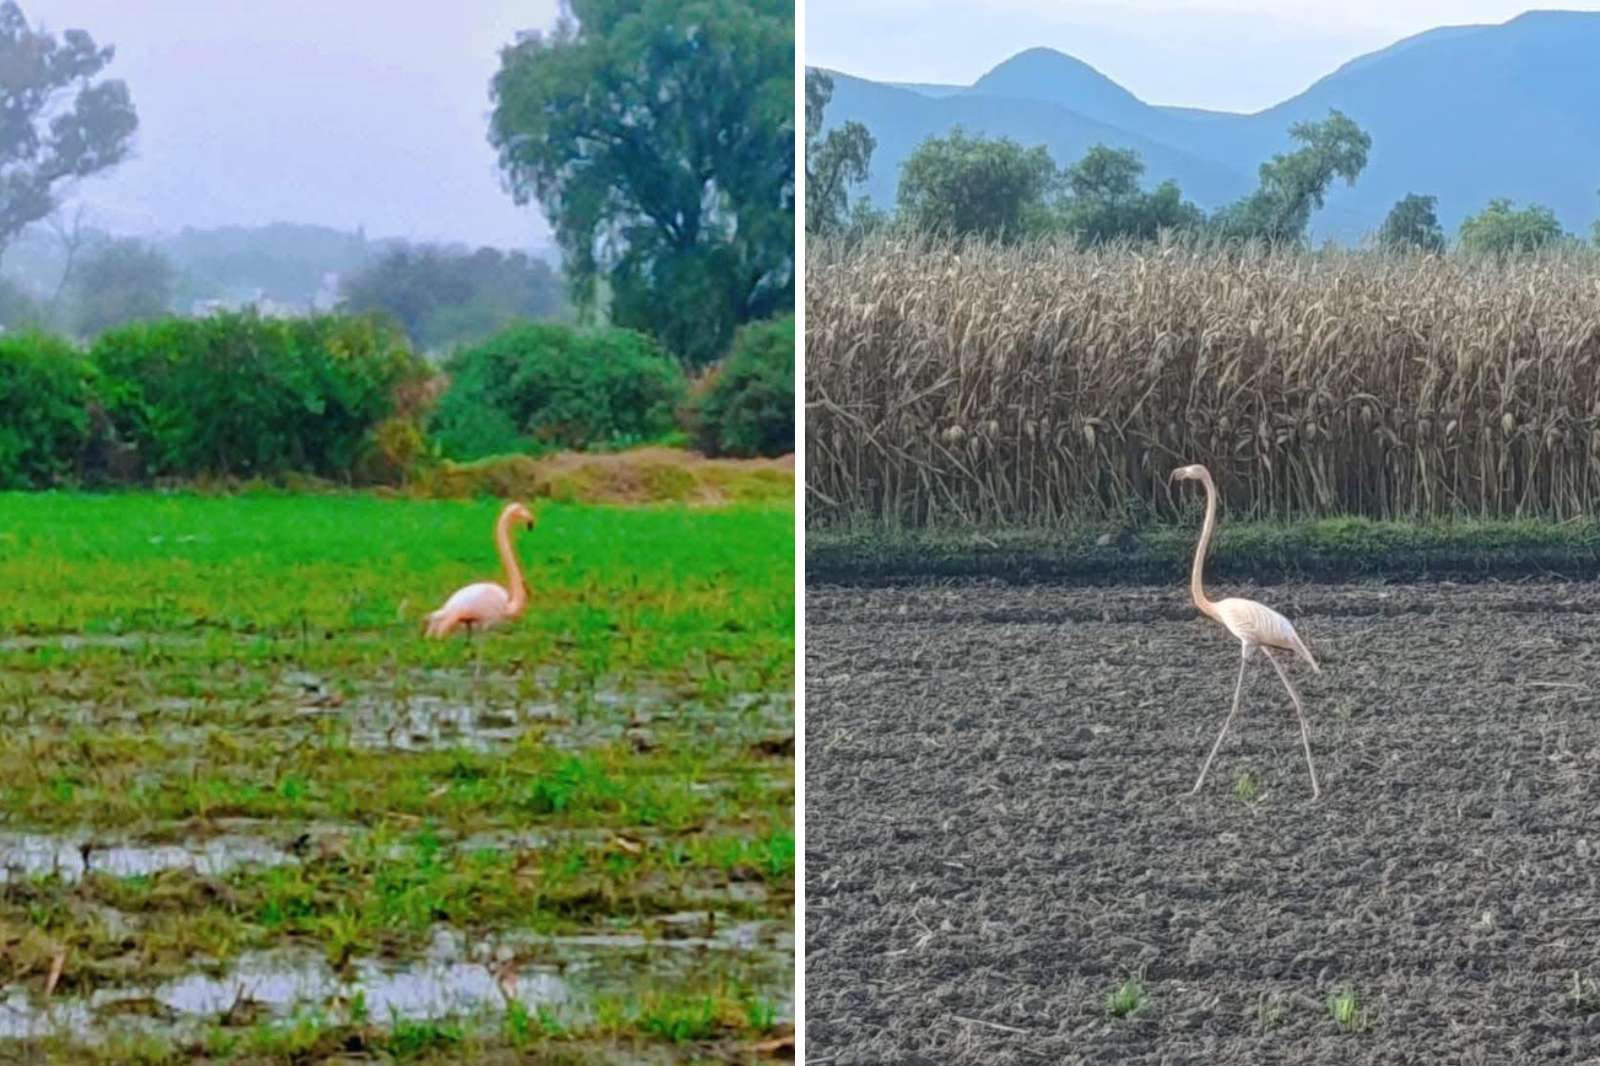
[{"x": 1464, "y": 113}]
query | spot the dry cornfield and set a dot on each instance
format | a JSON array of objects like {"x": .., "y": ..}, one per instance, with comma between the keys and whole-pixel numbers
[{"x": 1038, "y": 384}]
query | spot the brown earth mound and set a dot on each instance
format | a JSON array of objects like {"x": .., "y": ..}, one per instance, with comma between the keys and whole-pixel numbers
[{"x": 643, "y": 475}]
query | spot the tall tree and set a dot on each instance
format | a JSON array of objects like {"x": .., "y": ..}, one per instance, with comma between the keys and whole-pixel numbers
[
  {"x": 1294, "y": 184},
  {"x": 1500, "y": 229},
  {"x": 658, "y": 135},
  {"x": 975, "y": 186},
  {"x": 442, "y": 297},
  {"x": 1412, "y": 224},
  {"x": 1104, "y": 200},
  {"x": 57, "y": 122},
  {"x": 120, "y": 281},
  {"x": 834, "y": 162}
]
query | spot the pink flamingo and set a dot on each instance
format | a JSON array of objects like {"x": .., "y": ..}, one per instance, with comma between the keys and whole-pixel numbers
[
  {"x": 1254, "y": 624},
  {"x": 485, "y": 604}
]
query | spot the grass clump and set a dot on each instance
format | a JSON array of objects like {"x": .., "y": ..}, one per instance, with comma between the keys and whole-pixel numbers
[
  {"x": 1346, "y": 1011},
  {"x": 1126, "y": 999}
]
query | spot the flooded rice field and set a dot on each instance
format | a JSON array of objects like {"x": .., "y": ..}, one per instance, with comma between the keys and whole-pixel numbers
[{"x": 248, "y": 813}]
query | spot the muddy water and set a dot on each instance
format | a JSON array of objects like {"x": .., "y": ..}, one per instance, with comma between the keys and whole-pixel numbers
[
  {"x": 456, "y": 976},
  {"x": 71, "y": 856},
  {"x": 438, "y": 710}
]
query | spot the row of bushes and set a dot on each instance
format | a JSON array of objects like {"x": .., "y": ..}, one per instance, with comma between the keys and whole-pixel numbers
[
  {"x": 344, "y": 398},
  {"x": 545, "y": 387}
]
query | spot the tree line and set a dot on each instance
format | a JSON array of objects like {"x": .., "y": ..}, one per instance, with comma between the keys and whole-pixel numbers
[
  {"x": 658, "y": 139},
  {"x": 995, "y": 188}
]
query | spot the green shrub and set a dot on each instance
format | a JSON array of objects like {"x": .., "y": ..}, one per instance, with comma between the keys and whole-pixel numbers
[
  {"x": 239, "y": 395},
  {"x": 45, "y": 394},
  {"x": 543, "y": 386},
  {"x": 748, "y": 408}
]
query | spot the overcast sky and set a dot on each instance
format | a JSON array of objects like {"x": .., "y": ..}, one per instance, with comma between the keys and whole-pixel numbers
[
  {"x": 1236, "y": 55},
  {"x": 341, "y": 112}
]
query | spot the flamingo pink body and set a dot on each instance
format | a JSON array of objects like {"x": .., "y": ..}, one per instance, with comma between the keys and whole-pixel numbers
[
  {"x": 484, "y": 604},
  {"x": 1254, "y": 625}
]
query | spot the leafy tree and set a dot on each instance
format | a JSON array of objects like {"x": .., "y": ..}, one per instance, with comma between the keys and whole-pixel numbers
[
  {"x": 866, "y": 220},
  {"x": 1411, "y": 224},
  {"x": 975, "y": 185},
  {"x": 57, "y": 123},
  {"x": 1104, "y": 200},
  {"x": 120, "y": 281},
  {"x": 1294, "y": 184},
  {"x": 442, "y": 297},
  {"x": 283, "y": 260},
  {"x": 833, "y": 162},
  {"x": 748, "y": 408},
  {"x": 659, "y": 138},
  {"x": 1500, "y": 229}
]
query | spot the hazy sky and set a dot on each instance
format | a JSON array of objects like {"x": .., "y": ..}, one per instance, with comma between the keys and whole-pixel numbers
[
  {"x": 1237, "y": 55},
  {"x": 341, "y": 112}
]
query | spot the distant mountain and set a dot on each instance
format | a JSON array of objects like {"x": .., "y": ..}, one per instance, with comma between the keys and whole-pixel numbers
[
  {"x": 1465, "y": 113},
  {"x": 900, "y": 119}
]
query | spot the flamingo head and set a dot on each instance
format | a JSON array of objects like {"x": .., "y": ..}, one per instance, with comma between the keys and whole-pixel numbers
[
  {"x": 1195, "y": 472},
  {"x": 517, "y": 512}
]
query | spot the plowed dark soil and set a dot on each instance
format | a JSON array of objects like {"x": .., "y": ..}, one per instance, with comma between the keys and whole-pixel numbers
[{"x": 999, "y": 830}]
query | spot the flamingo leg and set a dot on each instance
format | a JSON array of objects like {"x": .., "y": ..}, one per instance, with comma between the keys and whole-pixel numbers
[
  {"x": 1238, "y": 693},
  {"x": 477, "y": 655},
  {"x": 1305, "y": 735}
]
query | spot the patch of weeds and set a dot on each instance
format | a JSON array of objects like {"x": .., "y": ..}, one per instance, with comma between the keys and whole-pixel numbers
[
  {"x": 760, "y": 1014},
  {"x": 296, "y": 1038},
  {"x": 1346, "y": 1011},
  {"x": 523, "y": 1028},
  {"x": 412, "y": 1039},
  {"x": 1127, "y": 999},
  {"x": 680, "y": 1019},
  {"x": 141, "y": 1049},
  {"x": 1245, "y": 787}
]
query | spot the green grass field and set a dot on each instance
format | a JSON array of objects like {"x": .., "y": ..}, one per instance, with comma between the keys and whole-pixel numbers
[{"x": 246, "y": 811}]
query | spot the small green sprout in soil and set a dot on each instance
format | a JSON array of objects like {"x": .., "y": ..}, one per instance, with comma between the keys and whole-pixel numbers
[
  {"x": 1127, "y": 999},
  {"x": 1245, "y": 787},
  {"x": 1346, "y": 1011}
]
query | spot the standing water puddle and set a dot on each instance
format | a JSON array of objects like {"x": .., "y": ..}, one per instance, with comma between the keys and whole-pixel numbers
[
  {"x": 25, "y": 855},
  {"x": 564, "y": 976}
]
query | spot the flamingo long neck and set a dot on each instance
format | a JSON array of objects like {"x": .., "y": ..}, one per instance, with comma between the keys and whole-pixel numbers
[
  {"x": 1196, "y": 585},
  {"x": 514, "y": 584}
]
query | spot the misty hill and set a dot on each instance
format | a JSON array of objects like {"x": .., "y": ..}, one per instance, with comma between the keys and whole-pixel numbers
[{"x": 1466, "y": 113}]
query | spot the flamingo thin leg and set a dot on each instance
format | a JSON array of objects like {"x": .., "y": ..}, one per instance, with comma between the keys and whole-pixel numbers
[
  {"x": 1305, "y": 736},
  {"x": 1238, "y": 692}
]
